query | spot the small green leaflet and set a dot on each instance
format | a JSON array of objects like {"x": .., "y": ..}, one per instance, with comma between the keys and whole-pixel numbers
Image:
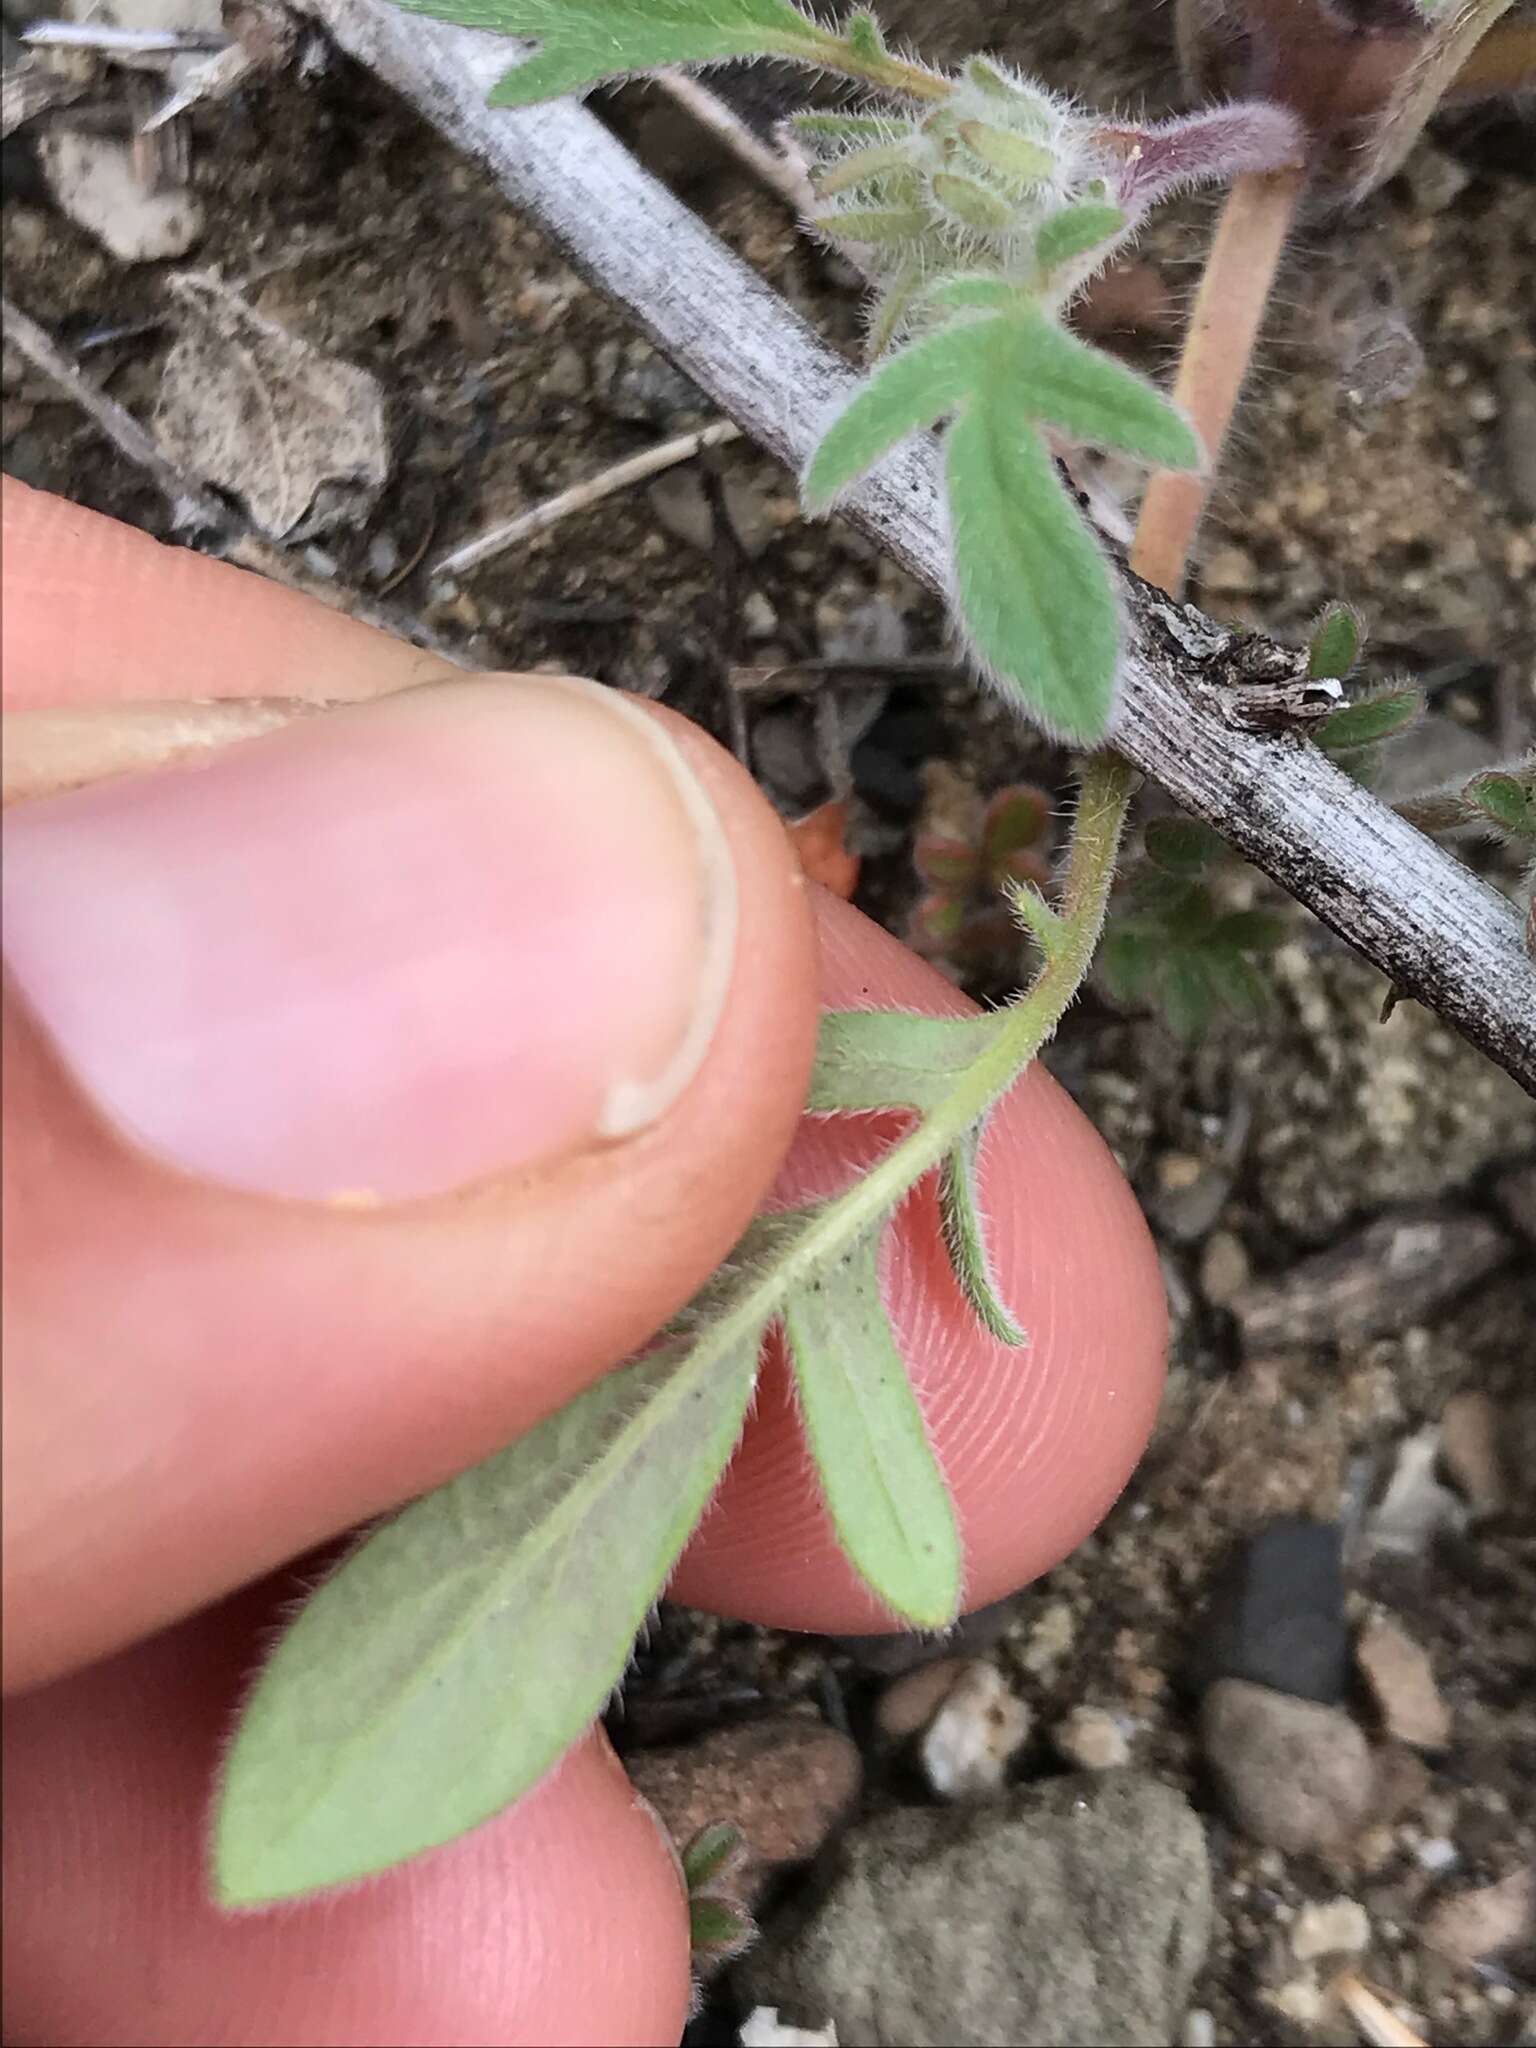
[
  {"x": 583, "y": 43},
  {"x": 966, "y": 1242},
  {"x": 1505, "y": 800},
  {"x": 1334, "y": 647},
  {"x": 1074, "y": 231},
  {"x": 1370, "y": 720},
  {"x": 1033, "y": 590},
  {"x": 708, "y": 1851},
  {"x": 892, "y": 1059},
  {"x": 456, "y": 1655},
  {"x": 883, "y": 1486}
]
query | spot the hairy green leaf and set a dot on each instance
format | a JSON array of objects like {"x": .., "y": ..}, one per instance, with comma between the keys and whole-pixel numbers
[
  {"x": 1074, "y": 231},
  {"x": 1015, "y": 155},
  {"x": 971, "y": 204},
  {"x": 965, "y": 1239},
  {"x": 861, "y": 166},
  {"x": 582, "y": 43},
  {"x": 976, "y": 292},
  {"x": 1372, "y": 719},
  {"x": 874, "y": 224},
  {"x": 906, "y": 392},
  {"x": 719, "y": 1928},
  {"x": 1032, "y": 589},
  {"x": 1335, "y": 644},
  {"x": 892, "y": 1059},
  {"x": 882, "y": 1483},
  {"x": 458, "y": 1653},
  {"x": 1506, "y": 800},
  {"x": 1181, "y": 847},
  {"x": 706, "y": 1851},
  {"x": 864, "y": 35},
  {"x": 1093, "y": 398}
]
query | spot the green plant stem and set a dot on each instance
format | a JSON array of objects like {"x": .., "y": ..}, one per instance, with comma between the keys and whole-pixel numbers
[
  {"x": 824, "y": 1234},
  {"x": 910, "y": 80}
]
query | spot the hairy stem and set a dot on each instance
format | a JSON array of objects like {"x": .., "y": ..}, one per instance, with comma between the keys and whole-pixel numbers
[
  {"x": 1218, "y": 347},
  {"x": 892, "y": 74},
  {"x": 827, "y": 1233},
  {"x": 1029, "y": 1021}
]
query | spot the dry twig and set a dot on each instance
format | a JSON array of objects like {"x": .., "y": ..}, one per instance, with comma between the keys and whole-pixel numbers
[
  {"x": 772, "y": 167},
  {"x": 666, "y": 455},
  {"x": 1379, "y": 2025}
]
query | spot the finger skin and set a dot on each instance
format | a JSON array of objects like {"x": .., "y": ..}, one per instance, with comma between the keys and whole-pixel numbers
[
  {"x": 99, "y": 613},
  {"x": 200, "y": 1384},
  {"x": 562, "y": 1921},
  {"x": 1035, "y": 1443}
]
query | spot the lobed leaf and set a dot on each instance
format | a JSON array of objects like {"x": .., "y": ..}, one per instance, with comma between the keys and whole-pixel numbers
[
  {"x": 1032, "y": 591},
  {"x": 965, "y": 1239},
  {"x": 1372, "y": 719},
  {"x": 454, "y": 1657},
  {"x": 904, "y": 393},
  {"x": 582, "y": 43},
  {"x": 892, "y": 1059},
  {"x": 882, "y": 1483}
]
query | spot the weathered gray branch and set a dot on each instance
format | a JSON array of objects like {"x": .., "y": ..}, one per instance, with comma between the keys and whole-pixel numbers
[{"x": 1440, "y": 934}]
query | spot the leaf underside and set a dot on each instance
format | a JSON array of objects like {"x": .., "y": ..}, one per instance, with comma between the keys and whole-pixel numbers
[
  {"x": 882, "y": 1483},
  {"x": 470, "y": 1641},
  {"x": 966, "y": 1242},
  {"x": 582, "y": 43}
]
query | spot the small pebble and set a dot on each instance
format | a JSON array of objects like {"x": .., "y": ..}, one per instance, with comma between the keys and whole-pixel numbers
[
  {"x": 1469, "y": 1926},
  {"x": 1402, "y": 1684},
  {"x": 1091, "y": 1738},
  {"x": 979, "y": 1728},
  {"x": 1224, "y": 1268},
  {"x": 786, "y": 1781},
  {"x": 1469, "y": 1449},
  {"x": 762, "y": 2028},
  {"x": 1199, "y": 2030},
  {"x": 909, "y": 1702},
  {"x": 1293, "y": 1773},
  {"x": 1331, "y": 1927}
]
